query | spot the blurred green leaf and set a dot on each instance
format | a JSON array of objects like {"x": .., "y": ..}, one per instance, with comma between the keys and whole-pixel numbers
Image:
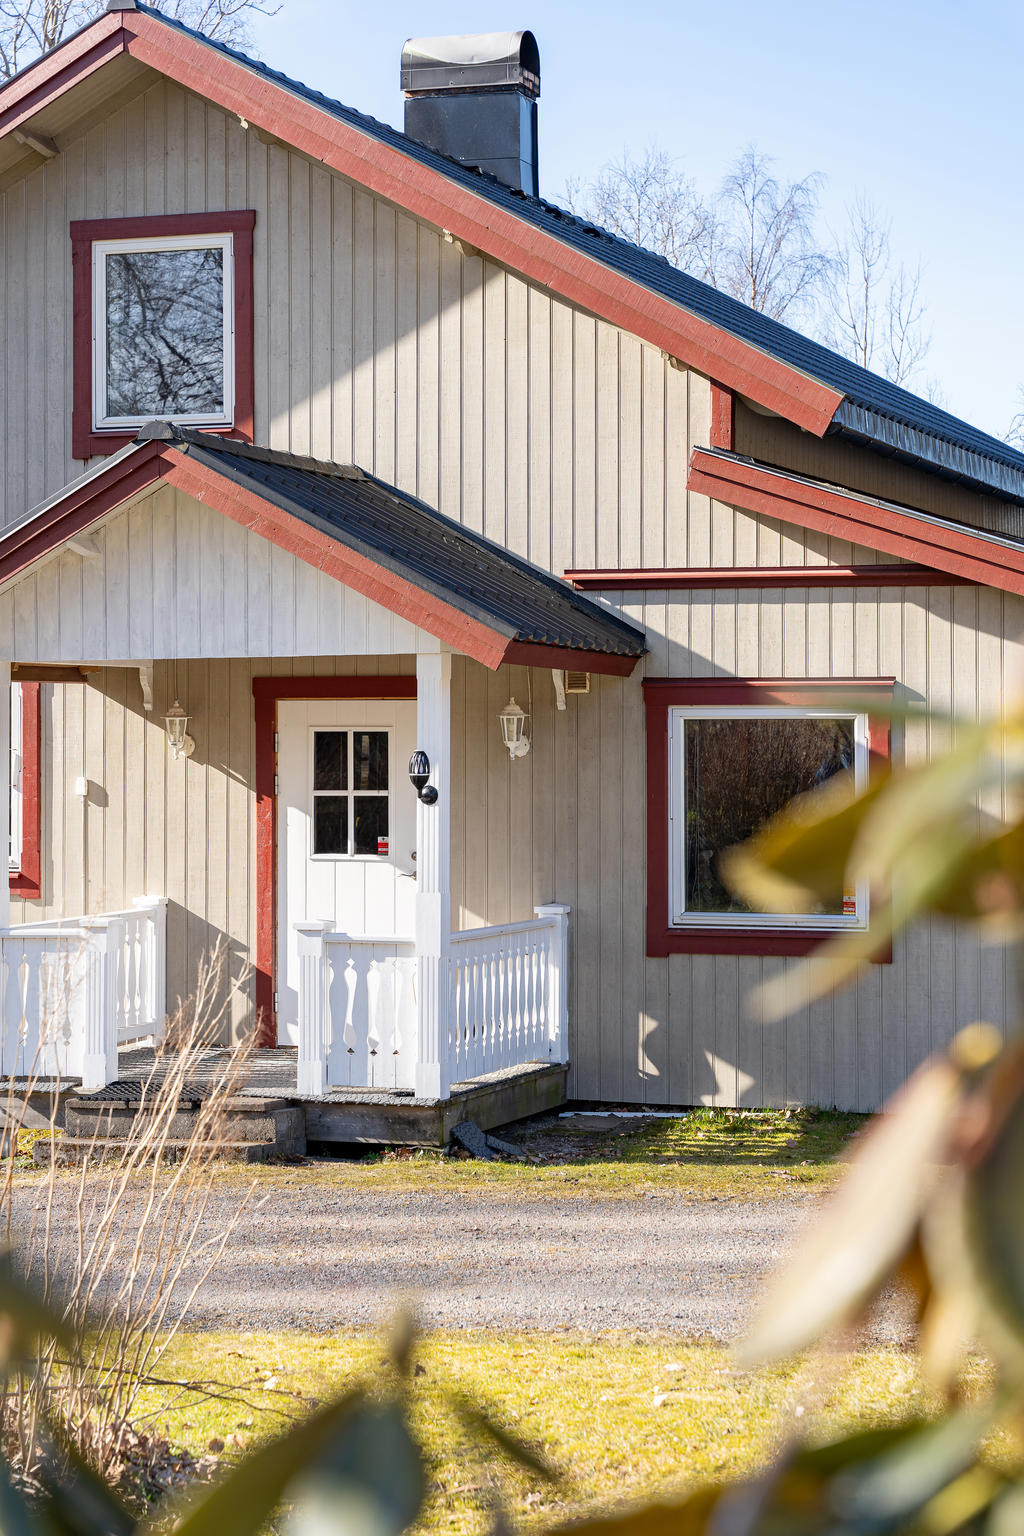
[
  {"x": 330, "y": 1445},
  {"x": 17, "y": 1516},
  {"x": 509, "y": 1444},
  {"x": 1007, "y": 1513},
  {"x": 859, "y": 1237},
  {"x": 689, "y": 1516},
  {"x": 800, "y": 857},
  {"x": 28, "y": 1317},
  {"x": 890, "y": 1489},
  {"x": 81, "y": 1502},
  {"x": 993, "y": 1207},
  {"x": 368, "y": 1479}
]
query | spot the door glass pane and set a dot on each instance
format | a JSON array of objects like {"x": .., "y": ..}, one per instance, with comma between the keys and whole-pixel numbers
[
  {"x": 165, "y": 333},
  {"x": 330, "y": 760},
  {"x": 371, "y": 824},
  {"x": 739, "y": 773},
  {"x": 369, "y": 760},
  {"x": 330, "y": 824}
]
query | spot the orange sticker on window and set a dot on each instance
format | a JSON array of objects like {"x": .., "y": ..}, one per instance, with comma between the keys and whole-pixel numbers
[
  {"x": 382, "y": 846},
  {"x": 849, "y": 904}
]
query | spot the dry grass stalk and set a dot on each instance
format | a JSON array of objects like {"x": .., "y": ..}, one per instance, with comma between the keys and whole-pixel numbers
[{"x": 120, "y": 1245}]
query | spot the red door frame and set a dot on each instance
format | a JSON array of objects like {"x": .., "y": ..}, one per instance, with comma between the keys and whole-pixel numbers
[{"x": 267, "y": 693}]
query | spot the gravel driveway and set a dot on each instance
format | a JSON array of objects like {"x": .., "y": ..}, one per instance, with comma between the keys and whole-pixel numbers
[{"x": 319, "y": 1259}]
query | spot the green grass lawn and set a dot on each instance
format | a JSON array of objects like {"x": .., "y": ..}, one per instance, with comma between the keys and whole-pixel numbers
[
  {"x": 622, "y": 1416},
  {"x": 702, "y": 1153},
  {"x": 711, "y": 1153}
]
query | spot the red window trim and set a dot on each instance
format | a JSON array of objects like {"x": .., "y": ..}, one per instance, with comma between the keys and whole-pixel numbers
[
  {"x": 663, "y": 694},
  {"x": 267, "y": 692},
  {"x": 85, "y": 442},
  {"x": 27, "y": 881}
]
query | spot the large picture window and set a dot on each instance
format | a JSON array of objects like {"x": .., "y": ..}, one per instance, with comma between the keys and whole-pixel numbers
[
  {"x": 163, "y": 326},
  {"x": 731, "y": 772},
  {"x": 725, "y": 755}
]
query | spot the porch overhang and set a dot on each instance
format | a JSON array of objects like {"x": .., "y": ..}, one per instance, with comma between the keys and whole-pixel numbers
[{"x": 462, "y": 588}]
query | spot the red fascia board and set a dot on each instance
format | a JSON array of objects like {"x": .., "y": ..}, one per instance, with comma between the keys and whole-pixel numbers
[
  {"x": 267, "y": 691},
  {"x": 80, "y": 508},
  {"x": 523, "y": 653},
  {"x": 60, "y": 69},
  {"x": 662, "y": 694},
  {"x": 763, "y": 577},
  {"x": 514, "y": 242},
  {"x": 846, "y": 515},
  {"x": 85, "y": 442},
  {"x": 27, "y": 881}
]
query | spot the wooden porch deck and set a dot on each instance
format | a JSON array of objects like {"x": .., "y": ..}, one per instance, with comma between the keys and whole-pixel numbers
[{"x": 267, "y": 1082}]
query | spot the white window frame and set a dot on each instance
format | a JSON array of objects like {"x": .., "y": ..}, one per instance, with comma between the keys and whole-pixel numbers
[
  {"x": 17, "y": 765},
  {"x": 101, "y": 249},
  {"x": 679, "y": 917},
  {"x": 351, "y": 794}
]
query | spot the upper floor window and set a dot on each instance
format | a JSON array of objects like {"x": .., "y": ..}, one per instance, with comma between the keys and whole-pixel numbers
[
  {"x": 163, "y": 326},
  {"x": 164, "y": 331}
]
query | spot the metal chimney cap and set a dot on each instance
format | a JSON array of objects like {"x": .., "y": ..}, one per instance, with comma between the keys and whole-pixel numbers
[{"x": 475, "y": 61}]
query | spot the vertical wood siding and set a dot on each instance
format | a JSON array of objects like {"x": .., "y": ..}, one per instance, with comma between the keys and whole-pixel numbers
[
  {"x": 377, "y": 342},
  {"x": 568, "y": 823},
  {"x": 150, "y": 825},
  {"x": 174, "y": 578}
]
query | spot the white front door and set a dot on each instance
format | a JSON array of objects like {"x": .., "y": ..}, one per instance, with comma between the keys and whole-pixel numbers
[{"x": 346, "y": 827}]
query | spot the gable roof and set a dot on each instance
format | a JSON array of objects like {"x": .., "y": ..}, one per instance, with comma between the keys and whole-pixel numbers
[
  {"x": 459, "y": 586},
  {"x": 742, "y": 349}
]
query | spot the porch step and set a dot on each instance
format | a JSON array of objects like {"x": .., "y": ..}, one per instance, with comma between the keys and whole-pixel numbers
[
  {"x": 75, "y": 1149},
  {"x": 278, "y": 1126}
]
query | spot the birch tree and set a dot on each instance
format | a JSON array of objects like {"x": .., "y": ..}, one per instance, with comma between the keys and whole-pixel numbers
[{"x": 874, "y": 312}]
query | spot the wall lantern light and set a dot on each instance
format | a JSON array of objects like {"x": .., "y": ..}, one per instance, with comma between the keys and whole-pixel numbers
[
  {"x": 513, "y": 729},
  {"x": 176, "y": 720},
  {"x": 419, "y": 773}
]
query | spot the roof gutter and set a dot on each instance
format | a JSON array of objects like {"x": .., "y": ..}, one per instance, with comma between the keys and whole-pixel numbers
[{"x": 884, "y": 434}]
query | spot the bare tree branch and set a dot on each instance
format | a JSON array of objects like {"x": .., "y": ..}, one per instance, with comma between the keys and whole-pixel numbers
[
  {"x": 31, "y": 27},
  {"x": 874, "y": 312},
  {"x": 770, "y": 256},
  {"x": 650, "y": 202}
]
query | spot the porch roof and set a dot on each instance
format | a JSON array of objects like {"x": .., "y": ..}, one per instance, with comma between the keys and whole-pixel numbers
[{"x": 458, "y": 585}]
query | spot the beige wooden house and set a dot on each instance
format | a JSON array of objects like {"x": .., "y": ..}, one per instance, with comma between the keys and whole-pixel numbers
[{"x": 324, "y": 446}]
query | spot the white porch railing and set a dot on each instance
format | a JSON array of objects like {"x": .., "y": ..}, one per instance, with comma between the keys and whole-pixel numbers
[
  {"x": 357, "y": 1010},
  {"x": 73, "y": 990},
  {"x": 358, "y": 1004},
  {"x": 507, "y": 995}
]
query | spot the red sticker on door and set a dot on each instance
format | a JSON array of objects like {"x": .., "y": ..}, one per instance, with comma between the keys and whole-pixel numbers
[{"x": 382, "y": 846}]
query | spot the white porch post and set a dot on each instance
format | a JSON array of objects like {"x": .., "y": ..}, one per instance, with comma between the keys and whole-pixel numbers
[
  {"x": 558, "y": 980},
  {"x": 99, "y": 1056},
  {"x": 5, "y": 789},
  {"x": 433, "y": 878},
  {"x": 314, "y": 1014}
]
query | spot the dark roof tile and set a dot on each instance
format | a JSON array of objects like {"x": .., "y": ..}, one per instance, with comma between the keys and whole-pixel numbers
[{"x": 410, "y": 538}]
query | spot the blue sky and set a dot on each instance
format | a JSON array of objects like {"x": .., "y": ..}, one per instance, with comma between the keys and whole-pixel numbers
[{"x": 917, "y": 104}]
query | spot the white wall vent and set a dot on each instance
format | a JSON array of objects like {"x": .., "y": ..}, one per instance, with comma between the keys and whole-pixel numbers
[{"x": 577, "y": 682}]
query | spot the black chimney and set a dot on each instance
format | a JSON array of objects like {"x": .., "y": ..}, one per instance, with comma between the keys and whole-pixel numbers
[{"x": 475, "y": 98}]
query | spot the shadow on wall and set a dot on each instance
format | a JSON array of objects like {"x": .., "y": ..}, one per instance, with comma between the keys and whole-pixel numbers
[{"x": 195, "y": 947}]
